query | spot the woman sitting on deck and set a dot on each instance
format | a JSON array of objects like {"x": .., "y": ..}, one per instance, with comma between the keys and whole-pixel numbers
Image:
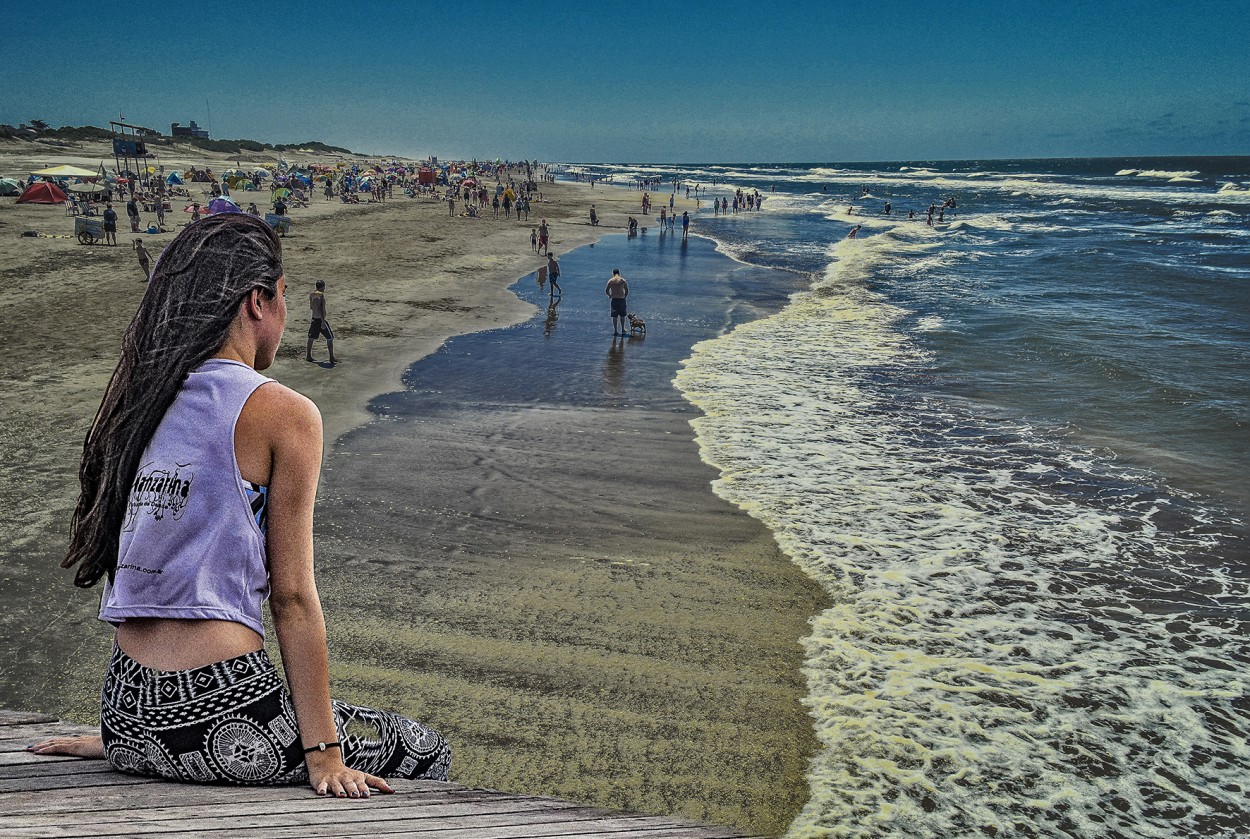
[{"x": 198, "y": 480}]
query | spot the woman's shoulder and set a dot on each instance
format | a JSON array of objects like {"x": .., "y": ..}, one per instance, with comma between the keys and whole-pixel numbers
[{"x": 280, "y": 409}]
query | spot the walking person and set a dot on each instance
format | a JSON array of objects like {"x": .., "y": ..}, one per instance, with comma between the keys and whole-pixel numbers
[
  {"x": 685, "y": 224},
  {"x": 132, "y": 210},
  {"x": 553, "y": 275},
  {"x": 319, "y": 326},
  {"x": 110, "y": 224},
  {"x": 617, "y": 291},
  {"x": 145, "y": 261},
  {"x": 198, "y": 481}
]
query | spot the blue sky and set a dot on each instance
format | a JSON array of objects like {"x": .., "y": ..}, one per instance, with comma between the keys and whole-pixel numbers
[{"x": 649, "y": 81}]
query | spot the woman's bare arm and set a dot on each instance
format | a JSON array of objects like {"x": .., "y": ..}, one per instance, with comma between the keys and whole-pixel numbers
[{"x": 293, "y": 426}]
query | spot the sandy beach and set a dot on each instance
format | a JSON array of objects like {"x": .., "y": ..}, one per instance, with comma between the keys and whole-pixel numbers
[{"x": 633, "y": 645}]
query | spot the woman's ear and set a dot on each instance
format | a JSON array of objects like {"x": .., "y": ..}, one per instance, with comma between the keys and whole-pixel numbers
[{"x": 254, "y": 304}]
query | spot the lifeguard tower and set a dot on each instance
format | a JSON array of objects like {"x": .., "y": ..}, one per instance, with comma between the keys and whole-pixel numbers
[{"x": 130, "y": 152}]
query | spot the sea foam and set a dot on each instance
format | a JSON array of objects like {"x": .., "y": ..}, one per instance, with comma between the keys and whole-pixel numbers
[{"x": 1001, "y": 655}]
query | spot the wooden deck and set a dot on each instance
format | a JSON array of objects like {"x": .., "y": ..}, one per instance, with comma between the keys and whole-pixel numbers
[{"x": 69, "y": 797}]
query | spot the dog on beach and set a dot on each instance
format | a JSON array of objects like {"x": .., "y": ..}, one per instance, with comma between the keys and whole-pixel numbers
[{"x": 637, "y": 324}]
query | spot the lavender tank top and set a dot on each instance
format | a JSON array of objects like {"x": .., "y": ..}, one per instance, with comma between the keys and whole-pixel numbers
[{"x": 193, "y": 540}]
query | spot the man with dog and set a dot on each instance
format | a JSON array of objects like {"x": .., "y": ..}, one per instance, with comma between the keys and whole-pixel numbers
[{"x": 617, "y": 290}]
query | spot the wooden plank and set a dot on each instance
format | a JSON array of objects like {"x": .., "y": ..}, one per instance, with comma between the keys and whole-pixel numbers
[
  {"x": 23, "y": 717},
  {"x": 513, "y": 826},
  {"x": 619, "y": 827},
  {"x": 60, "y": 782},
  {"x": 53, "y": 768},
  {"x": 305, "y": 808},
  {"x": 356, "y": 817},
  {"x": 162, "y": 794},
  {"x": 24, "y": 757}
]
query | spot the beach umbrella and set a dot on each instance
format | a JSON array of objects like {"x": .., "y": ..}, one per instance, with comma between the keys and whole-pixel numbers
[
  {"x": 66, "y": 172},
  {"x": 222, "y": 204},
  {"x": 86, "y": 188}
]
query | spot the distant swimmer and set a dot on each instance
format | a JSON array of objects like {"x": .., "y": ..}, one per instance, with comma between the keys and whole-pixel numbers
[
  {"x": 886, "y": 208},
  {"x": 911, "y": 214},
  {"x": 854, "y": 231},
  {"x": 850, "y": 210}
]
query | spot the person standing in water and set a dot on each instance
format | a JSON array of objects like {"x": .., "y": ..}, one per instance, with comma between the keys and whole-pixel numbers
[
  {"x": 617, "y": 290},
  {"x": 553, "y": 275}
]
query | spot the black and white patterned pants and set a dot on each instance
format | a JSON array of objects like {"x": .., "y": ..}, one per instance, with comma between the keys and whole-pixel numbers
[{"x": 233, "y": 722}]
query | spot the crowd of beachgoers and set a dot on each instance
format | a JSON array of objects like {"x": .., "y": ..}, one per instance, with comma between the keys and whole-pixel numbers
[{"x": 280, "y": 187}]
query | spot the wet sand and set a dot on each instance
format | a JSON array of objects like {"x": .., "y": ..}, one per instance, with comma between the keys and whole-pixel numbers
[{"x": 557, "y": 588}]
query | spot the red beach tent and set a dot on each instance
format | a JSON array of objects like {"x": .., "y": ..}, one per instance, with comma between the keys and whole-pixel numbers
[{"x": 42, "y": 192}]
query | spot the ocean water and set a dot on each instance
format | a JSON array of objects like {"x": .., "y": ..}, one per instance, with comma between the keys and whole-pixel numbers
[{"x": 1013, "y": 446}]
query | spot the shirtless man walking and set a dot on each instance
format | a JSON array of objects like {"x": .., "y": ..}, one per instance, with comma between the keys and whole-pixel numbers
[
  {"x": 553, "y": 274},
  {"x": 319, "y": 326}
]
